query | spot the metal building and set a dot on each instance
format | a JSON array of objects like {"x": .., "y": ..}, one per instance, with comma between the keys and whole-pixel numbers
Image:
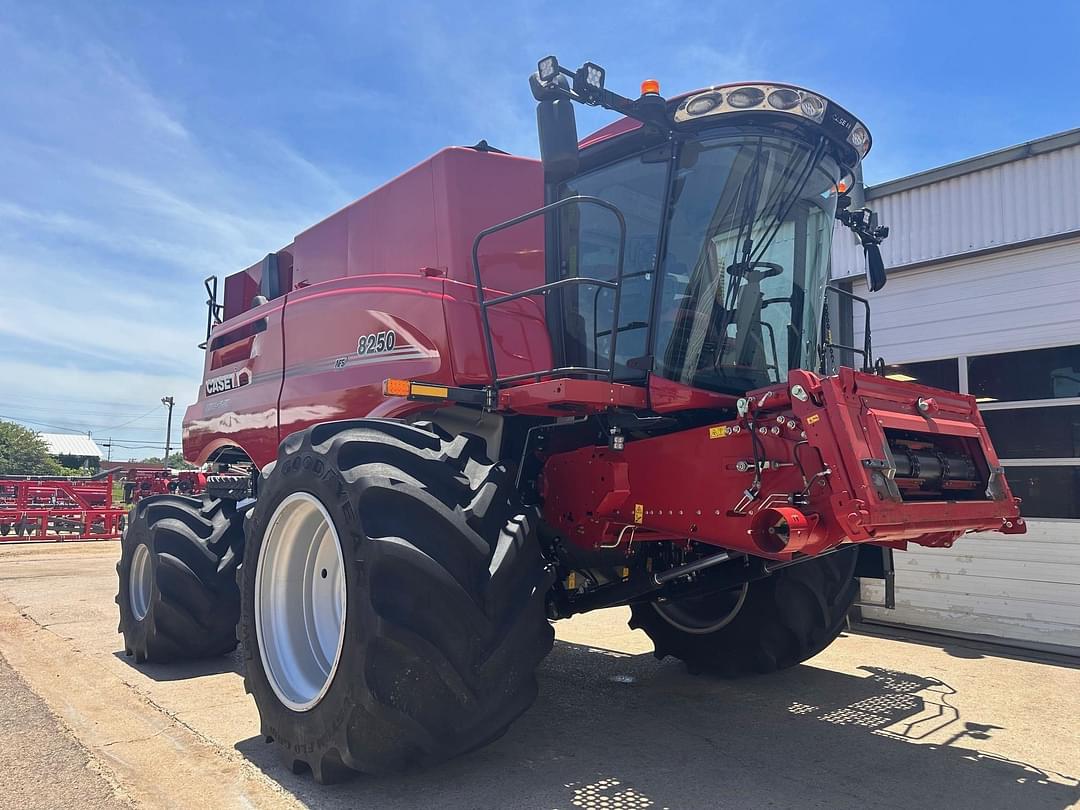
[
  {"x": 983, "y": 296},
  {"x": 73, "y": 449}
]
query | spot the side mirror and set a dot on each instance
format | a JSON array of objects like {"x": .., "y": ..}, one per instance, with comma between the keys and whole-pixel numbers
[
  {"x": 875, "y": 267},
  {"x": 557, "y": 128}
]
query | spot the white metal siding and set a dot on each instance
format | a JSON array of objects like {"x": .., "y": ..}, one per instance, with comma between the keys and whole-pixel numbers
[
  {"x": 1014, "y": 202},
  {"x": 1020, "y": 589},
  {"x": 1017, "y": 299}
]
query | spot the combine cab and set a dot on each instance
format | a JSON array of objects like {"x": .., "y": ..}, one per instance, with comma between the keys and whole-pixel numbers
[{"x": 497, "y": 392}]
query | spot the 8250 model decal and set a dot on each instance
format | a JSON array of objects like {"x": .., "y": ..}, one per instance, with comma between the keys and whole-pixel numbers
[
  {"x": 226, "y": 382},
  {"x": 376, "y": 342}
]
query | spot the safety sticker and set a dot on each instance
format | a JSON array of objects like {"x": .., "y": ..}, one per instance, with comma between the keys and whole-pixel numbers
[
  {"x": 718, "y": 432},
  {"x": 639, "y": 512},
  {"x": 813, "y": 419}
]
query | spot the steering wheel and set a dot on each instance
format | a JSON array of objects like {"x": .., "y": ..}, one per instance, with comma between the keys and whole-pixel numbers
[{"x": 770, "y": 270}]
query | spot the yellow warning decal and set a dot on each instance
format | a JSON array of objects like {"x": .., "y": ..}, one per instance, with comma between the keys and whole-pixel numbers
[
  {"x": 718, "y": 432},
  {"x": 639, "y": 512},
  {"x": 813, "y": 419}
]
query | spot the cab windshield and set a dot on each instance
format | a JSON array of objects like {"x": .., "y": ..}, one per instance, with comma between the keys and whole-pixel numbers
[
  {"x": 743, "y": 267},
  {"x": 746, "y": 262}
]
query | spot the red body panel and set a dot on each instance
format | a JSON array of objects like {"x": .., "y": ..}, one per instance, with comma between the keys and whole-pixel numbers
[
  {"x": 398, "y": 259},
  {"x": 692, "y": 484}
]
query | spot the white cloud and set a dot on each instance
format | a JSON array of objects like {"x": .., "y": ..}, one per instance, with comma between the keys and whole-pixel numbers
[{"x": 116, "y": 205}]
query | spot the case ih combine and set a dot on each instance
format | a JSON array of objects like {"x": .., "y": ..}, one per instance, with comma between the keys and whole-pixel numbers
[{"x": 499, "y": 391}]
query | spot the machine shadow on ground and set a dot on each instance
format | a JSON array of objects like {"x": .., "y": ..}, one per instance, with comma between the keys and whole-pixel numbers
[
  {"x": 611, "y": 730},
  {"x": 185, "y": 670},
  {"x": 966, "y": 648}
]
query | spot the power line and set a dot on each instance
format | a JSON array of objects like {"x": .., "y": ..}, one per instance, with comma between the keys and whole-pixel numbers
[
  {"x": 136, "y": 419},
  {"x": 66, "y": 402},
  {"x": 71, "y": 429},
  {"x": 71, "y": 411},
  {"x": 43, "y": 424}
]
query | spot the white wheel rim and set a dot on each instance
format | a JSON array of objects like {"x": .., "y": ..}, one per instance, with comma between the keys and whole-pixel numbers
[
  {"x": 140, "y": 582},
  {"x": 300, "y": 598},
  {"x": 696, "y": 624}
]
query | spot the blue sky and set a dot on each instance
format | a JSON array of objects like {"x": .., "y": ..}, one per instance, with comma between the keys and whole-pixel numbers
[{"x": 146, "y": 145}]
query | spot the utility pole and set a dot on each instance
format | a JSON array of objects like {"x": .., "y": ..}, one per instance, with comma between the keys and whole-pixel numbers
[
  {"x": 168, "y": 403},
  {"x": 109, "y": 445}
]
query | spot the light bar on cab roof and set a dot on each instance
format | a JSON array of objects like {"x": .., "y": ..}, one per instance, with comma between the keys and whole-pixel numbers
[{"x": 779, "y": 98}]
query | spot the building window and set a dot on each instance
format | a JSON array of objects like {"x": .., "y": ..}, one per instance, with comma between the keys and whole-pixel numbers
[
  {"x": 1030, "y": 402},
  {"x": 1046, "y": 492},
  {"x": 1035, "y": 432},
  {"x": 1017, "y": 376},
  {"x": 935, "y": 373}
]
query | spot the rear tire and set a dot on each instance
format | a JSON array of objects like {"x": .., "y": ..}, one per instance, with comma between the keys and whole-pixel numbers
[
  {"x": 178, "y": 597},
  {"x": 443, "y": 591},
  {"x": 783, "y": 620}
]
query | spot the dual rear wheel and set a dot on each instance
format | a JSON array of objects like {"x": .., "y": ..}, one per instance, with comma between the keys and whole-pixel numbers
[{"x": 392, "y": 598}]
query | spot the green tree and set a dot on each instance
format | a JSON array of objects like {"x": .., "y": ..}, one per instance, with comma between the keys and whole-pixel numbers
[
  {"x": 176, "y": 462},
  {"x": 23, "y": 452}
]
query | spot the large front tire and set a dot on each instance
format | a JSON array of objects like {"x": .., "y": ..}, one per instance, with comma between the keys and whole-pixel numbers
[
  {"x": 774, "y": 623},
  {"x": 414, "y": 621},
  {"x": 177, "y": 592}
]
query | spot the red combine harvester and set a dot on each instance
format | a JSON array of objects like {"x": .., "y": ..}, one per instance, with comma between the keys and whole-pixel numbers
[
  {"x": 499, "y": 391},
  {"x": 53, "y": 508}
]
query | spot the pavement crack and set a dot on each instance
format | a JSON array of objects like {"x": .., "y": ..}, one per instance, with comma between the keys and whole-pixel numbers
[{"x": 136, "y": 739}]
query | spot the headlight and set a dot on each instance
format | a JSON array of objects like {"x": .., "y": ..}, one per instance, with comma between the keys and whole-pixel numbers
[
  {"x": 813, "y": 107},
  {"x": 783, "y": 98},
  {"x": 860, "y": 139},
  {"x": 547, "y": 68},
  {"x": 745, "y": 97},
  {"x": 704, "y": 104}
]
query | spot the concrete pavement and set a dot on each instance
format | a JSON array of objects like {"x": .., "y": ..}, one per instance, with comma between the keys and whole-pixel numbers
[{"x": 871, "y": 722}]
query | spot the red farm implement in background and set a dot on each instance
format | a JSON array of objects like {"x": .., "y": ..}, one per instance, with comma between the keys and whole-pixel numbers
[
  {"x": 53, "y": 509},
  {"x": 141, "y": 482}
]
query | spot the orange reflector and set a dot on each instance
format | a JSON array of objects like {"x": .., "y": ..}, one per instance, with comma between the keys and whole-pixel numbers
[
  {"x": 650, "y": 86},
  {"x": 395, "y": 388},
  {"x": 841, "y": 187},
  {"x": 434, "y": 391}
]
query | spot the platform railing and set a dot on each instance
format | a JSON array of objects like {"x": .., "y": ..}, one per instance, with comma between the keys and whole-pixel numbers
[{"x": 545, "y": 289}]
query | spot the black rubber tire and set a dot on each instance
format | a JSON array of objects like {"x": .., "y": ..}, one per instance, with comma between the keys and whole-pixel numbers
[
  {"x": 4, "y": 529},
  {"x": 195, "y": 548},
  {"x": 445, "y": 619},
  {"x": 786, "y": 618}
]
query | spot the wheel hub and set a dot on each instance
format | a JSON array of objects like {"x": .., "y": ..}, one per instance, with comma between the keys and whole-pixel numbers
[
  {"x": 703, "y": 615},
  {"x": 300, "y": 598},
  {"x": 140, "y": 582}
]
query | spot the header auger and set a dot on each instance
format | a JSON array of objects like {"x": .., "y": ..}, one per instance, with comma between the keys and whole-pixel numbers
[{"x": 498, "y": 391}]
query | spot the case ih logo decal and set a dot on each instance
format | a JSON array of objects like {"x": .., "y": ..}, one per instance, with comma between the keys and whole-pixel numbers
[
  {"x": 226, "y": 382},
  {"x": 376, "y": 343}
]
